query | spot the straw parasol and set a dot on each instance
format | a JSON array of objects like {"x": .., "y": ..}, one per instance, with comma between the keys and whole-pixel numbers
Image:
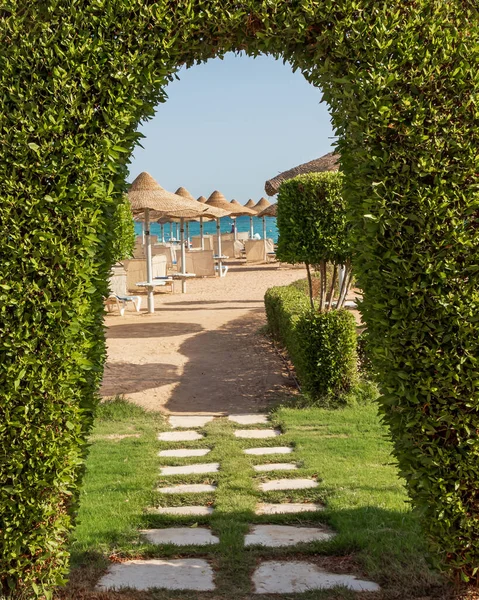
[
  {"x": 218, "y": 203},
  {"x": 250, "y": 203},
  {"x": 235, "y": 209},
  {"x": 202, "y": 199},
  {"x": 184, "y": 193},
  {"x": 328, "y": 162},
  {"x": 259, "y": 207},
  {"x": 147, "y": 196},
  {"x": 269, "y": 211}
]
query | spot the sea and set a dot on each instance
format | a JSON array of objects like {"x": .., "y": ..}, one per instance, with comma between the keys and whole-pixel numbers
[{"x": 209, "y": 227}]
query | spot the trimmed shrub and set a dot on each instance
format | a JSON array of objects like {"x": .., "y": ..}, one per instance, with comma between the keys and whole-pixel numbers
[
  {"x": 77, "y": 78},
  {"x": 312, "y": 219},
  {"x": 322, "y": 346},
  {"x": 313, "y": 229}
]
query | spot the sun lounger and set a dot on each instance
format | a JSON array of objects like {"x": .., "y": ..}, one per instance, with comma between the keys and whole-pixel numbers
[
  {"x": 118, "y": 297},
  {"x": 258, "y": 250}
]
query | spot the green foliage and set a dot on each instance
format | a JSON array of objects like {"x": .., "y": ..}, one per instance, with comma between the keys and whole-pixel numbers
[
  {"x": 123, "y": 234},
  {"x": 322, "y": 346},
  {"x": 312, "y": 219},
  {"x": 77, "y": 79}
]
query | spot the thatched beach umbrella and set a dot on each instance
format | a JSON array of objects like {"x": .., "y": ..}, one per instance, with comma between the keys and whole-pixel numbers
[
  {"x": 184, "y": 193},
  {"x": 259, "y": 207},
  {"x": 217, "y": 214},
  {"x": 328, "y": 162},
  {"x": 218, "y": 201},
  {"x": 269, "y": 211},
  {"x": 203, "y": 200},
  {"x": 250, "y": 204},
  {"x": 148, "y": 197},
  {"x": 239, "y": 210}
]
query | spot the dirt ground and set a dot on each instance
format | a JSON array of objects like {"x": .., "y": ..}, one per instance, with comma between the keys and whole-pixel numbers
[{"x": 201, "y": 352}]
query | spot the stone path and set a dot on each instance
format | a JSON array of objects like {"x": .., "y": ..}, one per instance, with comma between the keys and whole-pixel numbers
[{"x": 269, "y": 577}]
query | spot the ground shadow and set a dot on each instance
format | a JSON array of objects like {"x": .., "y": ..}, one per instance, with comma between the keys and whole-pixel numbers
[
  {"x": 232, "y": 369},
  {"x": 143, "y": 329},
  {"x": 127, "y": 378}
]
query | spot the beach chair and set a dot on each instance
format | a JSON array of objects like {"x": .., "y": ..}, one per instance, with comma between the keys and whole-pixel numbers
[
  {"x": 230, "y": 248},
  {"x": 199, "y": 262},
  {"x": 257, "y": 251},
  {"x": 119, "y": 297},
  {"x": 136, "y": 270}
]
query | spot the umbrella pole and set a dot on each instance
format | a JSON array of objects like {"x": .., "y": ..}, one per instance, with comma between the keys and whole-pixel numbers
[
  {"x": 149, "y": 266},
  {"x": 188, "y": 234},
  {"x": 236, "y": 230},
  {"x": 201, "y": 234},
  {"x": 162, "y": 227},
  {"x": 171, "y": 231},
  {"x": 183, "y": 255},
  {"x": 251, "y": 228},
  {"x": 264, "y": 237},
  {"x": 220, "y": 252}
]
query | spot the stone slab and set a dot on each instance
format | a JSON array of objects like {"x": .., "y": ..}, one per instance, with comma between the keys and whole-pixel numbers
[
  {"x": 276, "y": 467},
  {"x": 185, "y": 452},
  {"x": 197, "y": 511},
  {"x": 276, "y": 536},
  {"x": 248, "y": 419},
  {"x": 284, "y": 508},
  {"x": 191, "y": 469},
  {"x": 182, "y": 574},
  {"x": 256, "y": 434},
  {"x": 272, "y": 450},
  {"x": 180, "y": 436},
  {"x": 180, "y": 536},
  {"x": 188, "y": 488},
  {"x": 188, "y": 421},
  {"x": 287, "y": 484},
  {"x": 279, "y": 577}
]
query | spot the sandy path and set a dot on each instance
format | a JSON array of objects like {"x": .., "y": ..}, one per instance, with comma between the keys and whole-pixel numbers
[{"x": 200, "y": 352}]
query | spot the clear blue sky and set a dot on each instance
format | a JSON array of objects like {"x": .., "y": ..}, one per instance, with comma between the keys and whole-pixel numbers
[{"x": 230, "y": 125}]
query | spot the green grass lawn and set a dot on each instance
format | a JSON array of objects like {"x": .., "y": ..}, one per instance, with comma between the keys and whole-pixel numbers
[{"x": 346, "y": 450}]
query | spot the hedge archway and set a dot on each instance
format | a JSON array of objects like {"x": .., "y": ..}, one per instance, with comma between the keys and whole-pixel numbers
[{"x": 77, "y": 79}]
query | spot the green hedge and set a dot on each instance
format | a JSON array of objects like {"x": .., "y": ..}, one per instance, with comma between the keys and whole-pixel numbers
[
  {"x": 322, "y": 346},
  {"x": 123, "y": 234},
  {"x": 77, "y": 79}
]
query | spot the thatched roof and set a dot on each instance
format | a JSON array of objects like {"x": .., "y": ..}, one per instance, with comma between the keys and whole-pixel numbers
[
  {"x": 235, "y": 202},
  {"x": 269, "y": 211},
  {"x": 261, "y": 205},
  {"x": 219, "y": 201},
  {"x": 146, "y": 193},
  {"x": 184, "y": 193},
  {"x": 202, "y": 199},
  {"x": 250, "y": 203},
  {"x": 328, "y": 162}
]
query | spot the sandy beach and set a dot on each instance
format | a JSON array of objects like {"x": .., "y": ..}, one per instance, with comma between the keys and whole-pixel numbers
[{"x": 201, "y": 352}]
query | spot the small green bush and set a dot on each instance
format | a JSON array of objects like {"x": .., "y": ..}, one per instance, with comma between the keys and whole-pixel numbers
[
  {"x": 313, "y": 229},
  {"x": 312, "y": 219},
  {"x": 322, "y": 346}
]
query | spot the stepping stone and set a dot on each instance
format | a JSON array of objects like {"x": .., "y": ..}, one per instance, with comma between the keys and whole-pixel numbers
[
  {"x": 272, "y": 450},
  {"x": 276, "y": 467},
  {"x": 180, "y": 436},
  {"x": 181, "y": 536},
  {"x": 191, "y": 469},
  {"x": 248, "y": 419},
  {"x": 293, "y": 577},
  {"x": 276, "y": 536},
  {"x": 183, "y": 574},
  {"x": 199, "y": 511},
  {"x": 184, "y": 452},
  {"x": 287, "y": 484},
  {"x": 189, "y": 421},
  {"x": 256, "y": 433},
  {"x": 286, "y": 508},
  {"x": 188, "y": 488}
]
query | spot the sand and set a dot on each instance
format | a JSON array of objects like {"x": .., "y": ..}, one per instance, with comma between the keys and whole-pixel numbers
[{"x": 201, "y": 352}]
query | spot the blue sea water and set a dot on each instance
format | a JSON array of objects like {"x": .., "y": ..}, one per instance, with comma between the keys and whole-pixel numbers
[{"x": 209, "y": 227}]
